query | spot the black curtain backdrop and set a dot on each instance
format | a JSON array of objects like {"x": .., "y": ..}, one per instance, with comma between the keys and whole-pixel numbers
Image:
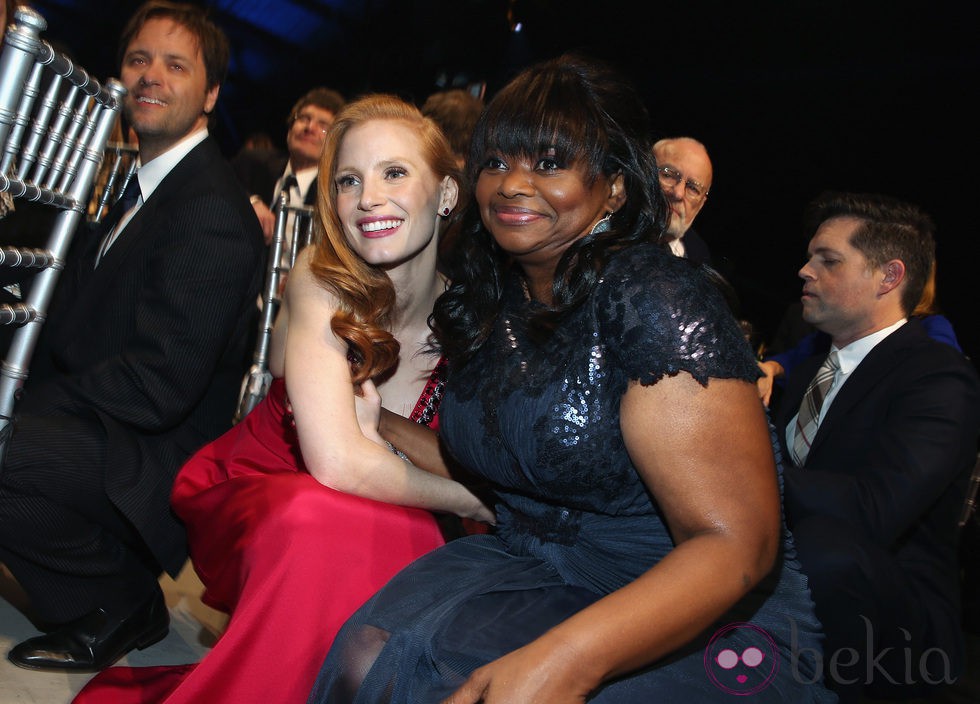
[{"x": 791, "y": 97}]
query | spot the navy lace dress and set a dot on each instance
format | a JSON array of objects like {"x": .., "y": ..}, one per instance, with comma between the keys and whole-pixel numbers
[{"x": 575, "y": 521}]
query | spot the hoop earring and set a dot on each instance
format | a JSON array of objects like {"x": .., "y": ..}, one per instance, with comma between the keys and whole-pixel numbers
[{"x": 603, "y": 225}]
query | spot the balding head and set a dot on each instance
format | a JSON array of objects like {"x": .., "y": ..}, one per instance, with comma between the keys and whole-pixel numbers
[{"x": 685, "y": 171}]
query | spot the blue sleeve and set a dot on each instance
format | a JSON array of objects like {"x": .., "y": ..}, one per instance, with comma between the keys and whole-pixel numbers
[{"x": 940, "y": 329}]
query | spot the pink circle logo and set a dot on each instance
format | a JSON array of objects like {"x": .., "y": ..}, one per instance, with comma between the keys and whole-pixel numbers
[{"x": 743, "y": 665}]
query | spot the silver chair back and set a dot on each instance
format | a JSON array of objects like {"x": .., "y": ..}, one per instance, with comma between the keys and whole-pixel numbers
[
  {"x": 118, "y": 169},
  {"x": 52, "y": 148},
  {"x": 257, "y": 380}
]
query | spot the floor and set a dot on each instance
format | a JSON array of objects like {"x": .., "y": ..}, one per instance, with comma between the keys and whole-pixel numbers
[{"x": 194, "y": 628}]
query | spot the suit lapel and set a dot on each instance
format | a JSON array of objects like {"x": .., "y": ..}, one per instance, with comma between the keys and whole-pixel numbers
[
  {"x": 133, "y": 236},
  {"x": 136, "y": 236},
  {"x": 878, "y": 363},
  {"x": 128, "y": 240}
]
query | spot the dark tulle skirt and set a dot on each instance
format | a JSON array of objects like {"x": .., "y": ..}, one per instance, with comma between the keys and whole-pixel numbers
[{"x": 471, "y": 601}]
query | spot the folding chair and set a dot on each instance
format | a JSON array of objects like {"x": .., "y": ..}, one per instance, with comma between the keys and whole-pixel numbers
[
  {"x": 118, "y": 169},
  {"x": 256, "y": 382},
  {"x": 53, "y": 146}
]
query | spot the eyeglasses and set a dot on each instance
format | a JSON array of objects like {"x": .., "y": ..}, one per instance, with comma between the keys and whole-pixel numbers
[
  {"x": 693, "y": 191},
  {"x": 305, "y": 120}
]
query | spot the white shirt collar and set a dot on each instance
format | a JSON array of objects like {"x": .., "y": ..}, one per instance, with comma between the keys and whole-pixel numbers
[
  {"x": 154, "y": 171},
  {"x": 677, "y": 246},
  {"x": 851, "y": 355},
  {"x": 304, "y": 177}
]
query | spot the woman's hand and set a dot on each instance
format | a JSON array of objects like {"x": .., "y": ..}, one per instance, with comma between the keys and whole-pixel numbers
[
  {"x": 538, "y": 672},
  {"x": 479, "y": 511},
  {"x": 367, "y": 405}
]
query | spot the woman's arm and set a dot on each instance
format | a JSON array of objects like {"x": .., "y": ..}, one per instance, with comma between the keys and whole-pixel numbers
[
  {"x": 705, "y": 454},
  {"x": 321, "y": 395},
  {"x": 419, "y": 442}
]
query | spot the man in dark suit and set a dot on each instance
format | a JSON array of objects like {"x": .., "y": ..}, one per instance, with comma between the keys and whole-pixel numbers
[
  {"x": 138, "y": 366},
  {"x": 880, "y": 437},
  {"x": 308, "y": 122},
  {"x": 685, "y": 176}
]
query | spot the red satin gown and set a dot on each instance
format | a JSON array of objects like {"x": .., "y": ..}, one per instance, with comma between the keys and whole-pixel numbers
[{"x": 289, "y": 558}]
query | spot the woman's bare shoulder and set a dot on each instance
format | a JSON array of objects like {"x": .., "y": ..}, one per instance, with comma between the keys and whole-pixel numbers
[{"x": 304, "y": 288}]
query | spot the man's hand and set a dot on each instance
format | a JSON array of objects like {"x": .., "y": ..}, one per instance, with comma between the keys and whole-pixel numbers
[
  {"x": 267, "y": 219},
  {"x": 772, "y": 371}
]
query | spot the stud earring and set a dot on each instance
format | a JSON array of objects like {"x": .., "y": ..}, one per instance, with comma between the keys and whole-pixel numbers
[{"x": 445, "y": 212}]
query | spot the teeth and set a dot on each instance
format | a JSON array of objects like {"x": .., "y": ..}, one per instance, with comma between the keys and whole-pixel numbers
[
  {"x": 151, "y": 101},
  {"x": 380, "y": 225}
]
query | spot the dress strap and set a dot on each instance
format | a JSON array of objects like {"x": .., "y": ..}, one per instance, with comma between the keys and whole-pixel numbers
[{"x": 426, "y": 409}]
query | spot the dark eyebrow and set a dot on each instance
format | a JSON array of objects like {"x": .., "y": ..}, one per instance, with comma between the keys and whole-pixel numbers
[
  {"x": 170, "y": 56},
  {"x": 824, "y": 250}
]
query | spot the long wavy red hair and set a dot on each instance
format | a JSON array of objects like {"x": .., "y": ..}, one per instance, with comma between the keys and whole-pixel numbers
[{"x": 366, "y": 295}]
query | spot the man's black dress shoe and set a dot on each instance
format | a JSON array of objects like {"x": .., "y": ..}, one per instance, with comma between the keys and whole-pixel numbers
[{"x": 96, "y": 640}]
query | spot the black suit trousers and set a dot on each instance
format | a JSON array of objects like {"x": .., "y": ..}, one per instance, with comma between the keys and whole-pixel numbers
[
  {"x": 81, "y": 552},
  {"x": 877, "y": 636}
]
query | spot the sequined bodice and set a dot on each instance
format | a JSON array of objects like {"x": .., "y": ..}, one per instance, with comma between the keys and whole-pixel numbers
[{"x": 542, "y": 422}]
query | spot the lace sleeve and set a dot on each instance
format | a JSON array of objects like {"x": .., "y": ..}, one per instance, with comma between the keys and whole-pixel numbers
[{"x": 658, "y": 314}]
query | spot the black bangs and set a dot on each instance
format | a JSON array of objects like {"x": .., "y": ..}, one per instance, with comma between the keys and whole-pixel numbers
[{"x": 553, "y": 110}]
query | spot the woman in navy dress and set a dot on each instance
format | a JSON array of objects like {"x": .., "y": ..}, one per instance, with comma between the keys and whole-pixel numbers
[{"x": 605, "y": 392}]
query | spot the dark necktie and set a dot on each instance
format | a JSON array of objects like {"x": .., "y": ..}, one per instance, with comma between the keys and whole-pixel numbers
[
  {"x": 122, "y": 206},
  {"x": 132, "y": 194},
  {"x": 289, "y": 182},
  {"x": 310, "y": 197},
  {"x": 807, "y": 421}
]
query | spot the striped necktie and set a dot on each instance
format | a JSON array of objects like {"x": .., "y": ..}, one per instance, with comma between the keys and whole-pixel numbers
[{"x": 808, "y": 419}]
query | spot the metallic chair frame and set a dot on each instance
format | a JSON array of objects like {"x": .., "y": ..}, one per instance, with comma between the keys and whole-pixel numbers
[
  {"x": 256, "y": 382},
  {"x": 52, "y": 151},
  {"x": 118, "y": 169}
]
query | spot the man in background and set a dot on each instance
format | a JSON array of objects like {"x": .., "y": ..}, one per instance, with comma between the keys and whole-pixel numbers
[
  {"x": 880, "y": 437},
  {"x": 309, "y": 120},
  {"x": 138, "y": 365},
  {"x": 685, "y": 176}
]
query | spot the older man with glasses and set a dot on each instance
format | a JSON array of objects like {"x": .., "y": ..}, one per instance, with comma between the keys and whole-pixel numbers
[{"x": 685, "y": 176}]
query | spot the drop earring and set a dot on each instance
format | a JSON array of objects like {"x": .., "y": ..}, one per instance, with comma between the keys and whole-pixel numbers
[{"x": 603, "y": 225}]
